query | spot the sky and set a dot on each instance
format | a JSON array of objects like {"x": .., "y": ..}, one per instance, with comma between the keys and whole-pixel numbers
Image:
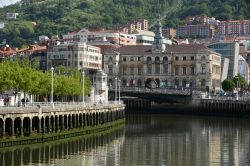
[{"x": 7, "y": 2}]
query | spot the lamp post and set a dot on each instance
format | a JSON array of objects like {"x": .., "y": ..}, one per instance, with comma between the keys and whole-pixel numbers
[
  {"x": 52, "y": 87},
  {"x": 119, "y": 94},
  {"x": 115, "y": 90},
  {"x": 83, "y": 103}
]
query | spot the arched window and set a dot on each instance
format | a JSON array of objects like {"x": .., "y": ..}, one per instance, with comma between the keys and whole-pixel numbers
[
  {"x": 124, "y": 82},
  {"x": 176, "y": 82},
  {"x": 149, "y": 65},
  {"x": 203, "y": 82},
  {"x": 165, "y": 65},
  {"x": 139, "y": 83},
  {"x": 110, "y": 59},
  {"x": 184, "y": 83},
  {"x": 110, "y": 82},
  {"x": 157, "y": 65}
]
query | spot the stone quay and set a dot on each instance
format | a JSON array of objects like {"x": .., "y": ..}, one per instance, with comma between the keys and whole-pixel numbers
[{"x": 24, "y": 125}]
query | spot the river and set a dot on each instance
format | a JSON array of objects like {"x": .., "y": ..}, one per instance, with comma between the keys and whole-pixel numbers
[{"x": 164, "y": 140}]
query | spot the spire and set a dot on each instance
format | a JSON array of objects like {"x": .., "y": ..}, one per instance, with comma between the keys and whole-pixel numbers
[{"x": 158, "y": 45}]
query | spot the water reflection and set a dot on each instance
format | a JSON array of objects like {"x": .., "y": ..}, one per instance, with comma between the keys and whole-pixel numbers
[
  {"x": 185, "y": 141},
  {"x": 168, "y": 140},
  {"x": 92, "y": 150}
]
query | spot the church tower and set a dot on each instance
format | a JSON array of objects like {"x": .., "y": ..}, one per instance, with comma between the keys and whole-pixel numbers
[{"x": 158, "y": 45}]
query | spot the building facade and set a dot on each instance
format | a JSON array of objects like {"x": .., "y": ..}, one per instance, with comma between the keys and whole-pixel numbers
[
  {"x": 163, "y": 65},
  {"x": 76, "y": 55},
  {"x": 235, "y": 27},
  {"x": 228, "y": 50},
  {"x": 195, "y": 31},
  {"x": 114, "y": 37}
]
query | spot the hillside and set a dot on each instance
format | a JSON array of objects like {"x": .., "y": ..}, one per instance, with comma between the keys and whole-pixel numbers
[{"x": 62, "y": 16}]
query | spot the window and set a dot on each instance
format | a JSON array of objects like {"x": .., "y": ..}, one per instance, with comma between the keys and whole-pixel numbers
[
  {"x": 192, "y": 58},
  {"x": 139, "y": 58},
  {"x": 110, "y": 68},
  {"x": 131, "y": 59},
  {"x": 124, "y": 70},
  {"x": 69, "y": 56},
  {"x": 184, "y": 70},
  {"x": 80, "y": 63},
  {"x": 131, "y": 70},
  {"x": 69, "y": 64},
  {"x": 184, "y": 58},
  {"x": 192, "y": 70},
  {"x": 176, "y": 58},
  {"x": 75, "y": 55},
  {"x": 139, "y": 71},
  {"x": 176, "y": 70},
  {"x": 203, "y": 69},
  {"x": 124, "y": 59}
]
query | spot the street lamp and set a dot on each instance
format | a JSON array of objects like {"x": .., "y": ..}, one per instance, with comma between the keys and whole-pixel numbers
[
  {"x": 83, "y": 103},
  {"x": 52, "y": 87},
  {"x": 119, "y": 95},
  {"x": 115, "y": 90}
]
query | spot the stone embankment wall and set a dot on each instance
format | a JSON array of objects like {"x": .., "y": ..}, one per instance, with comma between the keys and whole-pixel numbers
[{"x": 30, "y": 125}]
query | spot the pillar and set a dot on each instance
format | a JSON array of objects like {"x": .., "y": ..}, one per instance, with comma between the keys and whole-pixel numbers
[
  {"x": 13, "y": 127},
  {"x": 3, "y": 127},
  {"x": 62, "y": 122},
  {"x": 57, "y": 123},
  {"x": 40, "y": 125},
  {"x": 21, "y": 127},
  {"x": 54, "y": 124},
  {"x": 44, "y": 129},
  {"x": 49, "y": 125},
  {"x": 30, "y": 125},
  {"x": 75, "y": 121}
]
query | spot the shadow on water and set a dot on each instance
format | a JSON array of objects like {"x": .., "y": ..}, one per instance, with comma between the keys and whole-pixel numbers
[{"x": 68, "y": 152}]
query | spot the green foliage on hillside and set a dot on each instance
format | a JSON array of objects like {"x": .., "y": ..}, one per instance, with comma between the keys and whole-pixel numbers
[{"x": 62, "y": 16}]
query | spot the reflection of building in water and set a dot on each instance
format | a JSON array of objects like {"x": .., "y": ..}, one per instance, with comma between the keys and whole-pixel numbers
[
  {"x": 187, "y": 142},
  {"x": 89, "y": 151}
]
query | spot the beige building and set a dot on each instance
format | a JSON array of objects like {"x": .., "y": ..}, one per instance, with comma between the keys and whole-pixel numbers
[
  {"x": 75, "y": 55},
  {"x": 163, "y": 65}
]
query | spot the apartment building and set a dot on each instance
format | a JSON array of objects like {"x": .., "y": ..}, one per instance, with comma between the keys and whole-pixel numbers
[
  {"x": 76, "y": 55},
  {"x": 234, "y": 27}
]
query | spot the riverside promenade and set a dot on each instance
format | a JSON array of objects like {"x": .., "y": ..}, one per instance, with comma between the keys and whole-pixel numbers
[{"x": 40, "y": 122}]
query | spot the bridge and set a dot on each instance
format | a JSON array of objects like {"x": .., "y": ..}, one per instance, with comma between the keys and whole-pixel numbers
[{"x": 159, "y": 95}]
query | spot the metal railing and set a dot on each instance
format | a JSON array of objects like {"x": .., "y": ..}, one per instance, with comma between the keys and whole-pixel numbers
[{"x": 180, "y": 91}]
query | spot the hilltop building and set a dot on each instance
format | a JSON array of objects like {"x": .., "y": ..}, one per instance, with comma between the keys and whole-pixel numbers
[
  {"x": 93, "y": 36},
  {"x": 234, "y": 27}
]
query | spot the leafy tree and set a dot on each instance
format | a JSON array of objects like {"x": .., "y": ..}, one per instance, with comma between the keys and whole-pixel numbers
[
  {"x": 228, "y": 85},
  {"x": 242, "y": 83}
]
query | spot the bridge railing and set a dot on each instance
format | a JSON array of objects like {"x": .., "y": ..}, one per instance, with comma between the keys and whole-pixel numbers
[{"x": 183, "y": 91}]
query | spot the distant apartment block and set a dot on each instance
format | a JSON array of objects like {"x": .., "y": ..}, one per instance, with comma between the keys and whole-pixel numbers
[
  {"x": 11, "y": 15},
  {"x": 169, "y": 32},
  {"x": 114, "y": 37},
  {"x": 235, "y": 27},
  {"x": 75, "y": 55},
  {"x": 195, "y": 31},
  {"x": 140, "y": 24},
  {"x": 203, "y": 20}
]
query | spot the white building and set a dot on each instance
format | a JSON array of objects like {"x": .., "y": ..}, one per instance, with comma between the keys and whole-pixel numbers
[
  {"x": 115, "y": 37},
  {"x": 75, "y": 55},
  {"x": 11, "y": 15},
  {"x": 2, "y": 24}
]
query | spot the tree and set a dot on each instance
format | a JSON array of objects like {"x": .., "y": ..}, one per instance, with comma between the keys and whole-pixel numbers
[
  {"x": 228, "y": 85},
  {"x": 242, "y": 83}
]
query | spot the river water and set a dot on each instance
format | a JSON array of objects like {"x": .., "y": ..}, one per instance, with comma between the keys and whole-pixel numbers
[{"x": 164, "y": 140}]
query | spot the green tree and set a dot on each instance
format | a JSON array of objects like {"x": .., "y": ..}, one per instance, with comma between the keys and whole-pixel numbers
[
  {"x": 228, "y": 85},
  {"x": 242, "y": 83}
]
